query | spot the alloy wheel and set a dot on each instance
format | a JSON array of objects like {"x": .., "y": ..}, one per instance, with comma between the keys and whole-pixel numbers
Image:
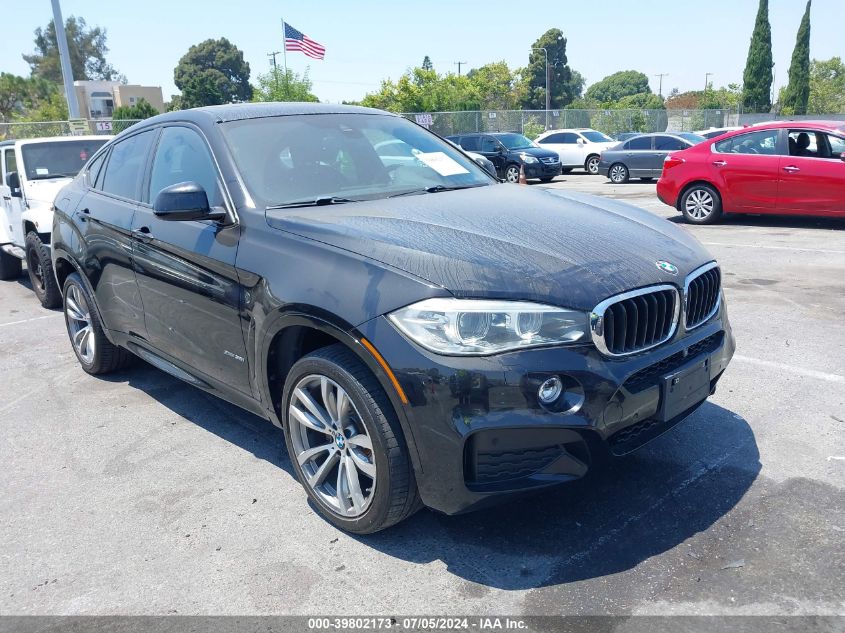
[
  {"x": 512, "y": 174},
  {"x": 618, "y": 173},
  {"x": 699, "y": 204},
  {"x": 79, "y": 323},
  {"x": 593, "y": 166},
  {"x": 332, "y": 445}
]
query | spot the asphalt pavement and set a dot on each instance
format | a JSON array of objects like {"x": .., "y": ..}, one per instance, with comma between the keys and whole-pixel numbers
[{"x": 138, "y": 494}]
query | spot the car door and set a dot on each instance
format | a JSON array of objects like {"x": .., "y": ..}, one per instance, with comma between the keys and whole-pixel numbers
[
  {"x": 186, "y": 269},
  {"x": 566, "y": 145},
  {"x": 745, "y": 169},
  {"x": 103, "y": 220},
  {"x": 12, "y": 200},
  {"x": 638, "y": 156},
  {"x": 812, "y": 178},
  {"x": 491, "y": 149},
  {"x": 664, "y": 145}
]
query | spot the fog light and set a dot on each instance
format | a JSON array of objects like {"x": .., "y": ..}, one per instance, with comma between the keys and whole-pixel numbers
[{"x": 550, "y": 390}]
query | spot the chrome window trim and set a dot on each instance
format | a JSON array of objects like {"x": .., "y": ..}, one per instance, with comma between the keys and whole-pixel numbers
[
  {"x": 688, "y": 280},
  {"x": 597, "y": 318}
]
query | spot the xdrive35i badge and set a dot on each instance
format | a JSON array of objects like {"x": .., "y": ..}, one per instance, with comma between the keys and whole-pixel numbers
[{"x": 666, "y": 267}]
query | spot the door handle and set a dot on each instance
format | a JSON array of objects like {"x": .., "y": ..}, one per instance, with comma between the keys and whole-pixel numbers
[
  {"x": 142, "y": 234},
  {"x": 791, "y": 169},
  {"x": 7, "y": 197},
  {"x": 85, "y": 211},
  {"x": 719, "y": 163}
]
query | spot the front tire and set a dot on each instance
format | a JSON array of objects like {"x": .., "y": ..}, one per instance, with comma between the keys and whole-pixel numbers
[
  {"x": 10, "y": 266},
  {"x": 591, "y": 165},
  {"x": 346, "y": 444},
  {"x": 512, "y": 174},
  {"x": 618, "y": 174},
  {"x": 95, "y": 352},
  {"x": 701, "y": 204},
  {"x": 40, "y": 269},
  {"x": 547, "y": 179}
]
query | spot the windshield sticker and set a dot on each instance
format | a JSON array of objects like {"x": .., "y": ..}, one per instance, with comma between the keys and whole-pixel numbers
[
  {"x": 441, "y": 163},
  {"x": 42, "y": 171}
]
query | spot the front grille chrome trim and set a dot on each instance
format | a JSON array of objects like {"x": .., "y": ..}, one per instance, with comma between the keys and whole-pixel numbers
[
  {"x": 687, "y": 282},
  {"x": 597, "y": 319}
]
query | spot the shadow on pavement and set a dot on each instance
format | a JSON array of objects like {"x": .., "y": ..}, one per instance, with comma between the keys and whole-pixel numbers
[{"x": 774, "y": 221}]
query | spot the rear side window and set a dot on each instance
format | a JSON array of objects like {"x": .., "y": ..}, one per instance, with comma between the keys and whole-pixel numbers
[
  {"x": 564, "y": 138},
  {"x": 764, "y": 142},
  {"x": 94, "y": 169},
  {"x": 639, "y": 142},
  {"x": 182, "y": 156},
  {"x": 125, "y": 168},
  {"x": 668, "y": 143},
  {"x": 488, "y": 144},
  {"x": 9, "y": 161},
  {"x": 470, "y": 143}
]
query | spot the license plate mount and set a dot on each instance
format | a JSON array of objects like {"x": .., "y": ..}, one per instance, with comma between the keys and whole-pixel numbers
[{"x": 683, "y": 389}]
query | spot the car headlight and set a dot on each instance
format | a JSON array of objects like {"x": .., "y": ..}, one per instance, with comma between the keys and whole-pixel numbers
[
  {"x": 528, "y": 159},
  {"x": 475, "y": 327}
]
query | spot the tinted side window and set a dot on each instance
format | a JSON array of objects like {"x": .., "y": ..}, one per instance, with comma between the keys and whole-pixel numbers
[
  {"x": 94, "y": 168},
  {"x": 470, "y": 143},
  {"x": 723, "y": 147},
  {"x": 182, "y": 156},
  {"x": 488, "y": 144},
  {"x": 9, "y": 160},
  {"x": 668, "y": 143},
  {"x": 639, "y": 142},
  {"x": 763, "y": 142},
  {"x": 561, "y": 137},
  {"x": 123, "y": 172}
]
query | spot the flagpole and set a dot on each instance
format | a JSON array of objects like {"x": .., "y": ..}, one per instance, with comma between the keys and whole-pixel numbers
[{"x": 284, "y": 51}]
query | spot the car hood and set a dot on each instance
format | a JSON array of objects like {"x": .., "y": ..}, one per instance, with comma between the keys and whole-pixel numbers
[
  {"x": 507, "y": 242},
  {"x": 537, "y": 152},
  {"x": 44, "y": 190}
]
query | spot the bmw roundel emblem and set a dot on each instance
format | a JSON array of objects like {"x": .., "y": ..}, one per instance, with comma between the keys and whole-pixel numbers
[{"x": 666, "y": 267}]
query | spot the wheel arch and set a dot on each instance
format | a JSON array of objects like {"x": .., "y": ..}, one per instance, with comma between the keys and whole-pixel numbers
[
  {"x": 294, "y": 334},
  {"x": 699, "y": 181}
]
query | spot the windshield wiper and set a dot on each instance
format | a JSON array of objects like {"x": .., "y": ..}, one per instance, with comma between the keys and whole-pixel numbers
[
  {"x": 50, "y": 176},
  {"x": 434, "y": 189},
  {"x": 318, "y": 202}
]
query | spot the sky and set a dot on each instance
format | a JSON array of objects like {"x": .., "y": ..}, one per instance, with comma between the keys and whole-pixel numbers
[{"x": 367, "y": 41}]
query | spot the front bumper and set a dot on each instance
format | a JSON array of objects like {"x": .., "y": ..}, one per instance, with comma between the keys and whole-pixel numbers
[
  {"x": 542, "y": 170},
  {"x": 479, "y": 432}
]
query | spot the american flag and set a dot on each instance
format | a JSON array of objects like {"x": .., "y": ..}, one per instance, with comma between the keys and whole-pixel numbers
[{"x": 297, "y": 41}]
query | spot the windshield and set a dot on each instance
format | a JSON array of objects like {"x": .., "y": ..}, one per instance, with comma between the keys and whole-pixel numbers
[
  {"x": 596, "y": 137},
  {"x": 57, "y": 159},
  {"x": 692, "y": 138},
  {"x": 514, "y": 141},
  {"x": 335, "y": 158}
]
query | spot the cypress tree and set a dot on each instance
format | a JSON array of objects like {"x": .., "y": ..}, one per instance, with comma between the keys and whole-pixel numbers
[
  {"x": 797, "y": 92},
  {"x": 757, "y": 77}
]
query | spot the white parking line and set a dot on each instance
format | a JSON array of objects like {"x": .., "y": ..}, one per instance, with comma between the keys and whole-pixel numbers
[
  {"x": 30, "y": 320},
  {"x": 801, "y": 371},
  {"x": 778, "y": 248}
]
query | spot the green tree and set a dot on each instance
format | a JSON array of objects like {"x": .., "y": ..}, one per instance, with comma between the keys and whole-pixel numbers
[
  {"x": 565, "y": 85},
  {"x": 21, "y": 95},
  {"x": 86, "y": 47},
  {"x": 286, "y": 85},
  {"x": 494, "y": 86},
  {"x": 212, "y": 72},
  {"x": 827, "y": 86},
  {"x": 797, "y": 93},
  {"x": 427, "y": 65},
  {"x": 53, "y": 108},
  {"x": 757, "y": 77},
  {"x": 612, "y": 88},
  {"x": 125, "y": 116}
]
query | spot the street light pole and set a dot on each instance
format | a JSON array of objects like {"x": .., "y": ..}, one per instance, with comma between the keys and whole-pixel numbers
[
  {"x": 707, "y": 80},
  {"x": 548, "y": 96},
  {"x": 64, "y": 58},
  {"x": 661, "y": 75}
]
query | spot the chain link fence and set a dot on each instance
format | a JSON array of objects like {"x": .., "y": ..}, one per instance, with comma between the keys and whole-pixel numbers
[{"x": 38, "y": 129}]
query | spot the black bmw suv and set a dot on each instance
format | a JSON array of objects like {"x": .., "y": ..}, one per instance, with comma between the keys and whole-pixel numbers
[
  {"x": 509, "y": 152},
  {"x": 418, "y": 341}
]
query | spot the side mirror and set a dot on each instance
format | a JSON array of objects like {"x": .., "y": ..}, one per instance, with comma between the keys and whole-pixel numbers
[
  {"x": 185, "y": 201},
  {"x": 13, "y": 181},
  {"x": 581, "y": 141}
]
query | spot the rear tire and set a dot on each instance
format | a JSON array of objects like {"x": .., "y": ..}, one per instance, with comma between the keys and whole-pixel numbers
[
  {"x": 512, "y": 173},
  {"x": 618, "y": 173},
  {"x": 549, "y": 179},
  {"x": 40, "y": 268},
  {"x": 10, "y": 266},
  {"x": 591, "y": 165},
  {"x": 351, "y": 458},
  {"x": 701, "y": 204},
  {"x": 95, "y": 352}
]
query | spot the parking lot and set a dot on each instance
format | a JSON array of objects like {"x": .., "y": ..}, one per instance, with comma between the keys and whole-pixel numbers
[{"x": 137, "y": 493}]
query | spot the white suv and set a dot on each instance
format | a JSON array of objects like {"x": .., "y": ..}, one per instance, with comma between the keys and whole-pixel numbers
[
  {"x": 580, "y": 147},
  {"x": 33, "y": 172}
]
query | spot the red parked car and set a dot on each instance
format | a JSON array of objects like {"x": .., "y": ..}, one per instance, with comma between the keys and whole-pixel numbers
[{"x": 789, "y": 167}]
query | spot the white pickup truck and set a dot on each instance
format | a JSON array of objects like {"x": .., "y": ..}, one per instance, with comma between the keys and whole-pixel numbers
[{"x": 33, "y": 172}]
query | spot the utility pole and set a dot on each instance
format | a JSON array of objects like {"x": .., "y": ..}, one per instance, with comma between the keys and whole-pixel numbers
[
  {"x": 459, "y": 64},
  {"x": 661, "y": 75},
  {"x": 275, "y": 68},
  {"x": 707, "y": 80},
  {"x": 548, "y": 96},
  {"x": 64, "y": 57}
]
